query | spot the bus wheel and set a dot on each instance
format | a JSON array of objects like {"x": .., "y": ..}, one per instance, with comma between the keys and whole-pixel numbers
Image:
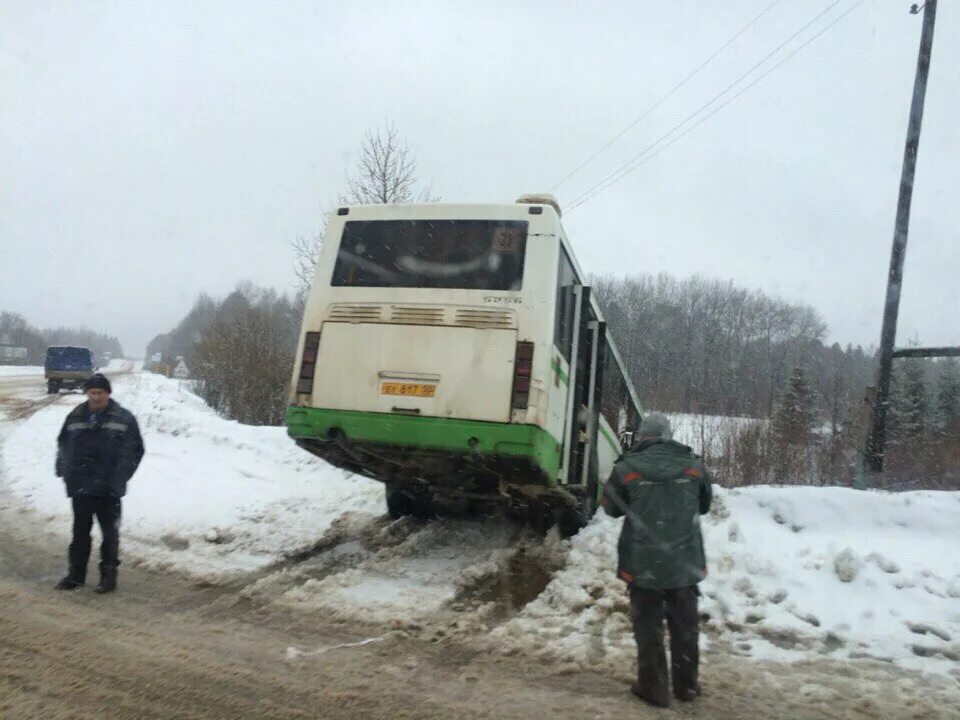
[
  {"x": 571, "y": 522},
  {"x": 402, "y": 502},
  {"x": 399, "y": 503},
  {"x": 423, "y": 508},
  {"x": 52, "y": 387},
  {"x": 540, "y": 518}
]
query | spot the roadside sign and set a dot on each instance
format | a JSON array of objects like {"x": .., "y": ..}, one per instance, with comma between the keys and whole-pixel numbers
[
  {"x": 156, "y": 357},
  {"x": 9, "y": 352},
  {"x": 180, "y": 371}
]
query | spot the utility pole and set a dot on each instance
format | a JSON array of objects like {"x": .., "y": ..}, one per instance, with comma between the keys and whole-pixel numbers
[{"x": 888, "y": 335}]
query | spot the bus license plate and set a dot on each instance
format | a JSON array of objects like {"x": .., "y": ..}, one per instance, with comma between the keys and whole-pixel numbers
[{"x": 408, "y": 389}]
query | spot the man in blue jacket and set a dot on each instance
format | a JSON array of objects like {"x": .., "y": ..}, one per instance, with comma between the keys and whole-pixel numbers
[{"x": 98, "y": 450}]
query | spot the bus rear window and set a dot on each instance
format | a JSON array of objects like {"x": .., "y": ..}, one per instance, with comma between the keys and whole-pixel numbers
[{"x": 453, "y": 254}]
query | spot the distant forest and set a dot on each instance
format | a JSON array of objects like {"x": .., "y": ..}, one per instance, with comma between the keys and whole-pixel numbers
[
  {"x": 708, "y": 347},
  {"x": 16, "y": 331}
]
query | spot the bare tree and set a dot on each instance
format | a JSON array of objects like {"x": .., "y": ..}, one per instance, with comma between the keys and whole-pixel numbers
[
  {"x": 305, "y": 253},
  {"x": 243, "y": 357},
  {"x": 386, "y": 173},
  {"x": 15, "y": 330}
]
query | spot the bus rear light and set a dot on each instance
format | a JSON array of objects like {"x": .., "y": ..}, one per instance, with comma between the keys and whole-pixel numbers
[
  {"x": 522, "y": 370},
  {"x": 311, "y": 343}
]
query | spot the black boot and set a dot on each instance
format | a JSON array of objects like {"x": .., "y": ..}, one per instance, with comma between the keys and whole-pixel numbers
[
  {"x": 656, "y": 695},
  {"x": 72, "y": 581},
  {"x": 687, "y": 693},
  {"x": 108, "y": 580}
]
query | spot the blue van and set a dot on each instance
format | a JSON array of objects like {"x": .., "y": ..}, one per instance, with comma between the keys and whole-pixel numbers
[{"x": 67, "y": 367}]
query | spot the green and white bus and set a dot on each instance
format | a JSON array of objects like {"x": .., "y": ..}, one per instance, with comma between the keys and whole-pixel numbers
[{"x": 454, "y": 353}]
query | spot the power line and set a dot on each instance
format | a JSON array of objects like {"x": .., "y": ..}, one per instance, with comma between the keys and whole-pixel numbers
[
  {"x": 712, "y": 100},
  {"x": 659, "y": 102},
  {"x": 703, "y": 107},
  {"x": 623, "y": 172}
]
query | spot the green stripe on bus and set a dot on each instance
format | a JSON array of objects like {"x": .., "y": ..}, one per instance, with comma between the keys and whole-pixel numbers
[
  {"x": 559, "y": 371},
  {"x": 609, "y": 438},
  {"x": 430, "y": 433}
]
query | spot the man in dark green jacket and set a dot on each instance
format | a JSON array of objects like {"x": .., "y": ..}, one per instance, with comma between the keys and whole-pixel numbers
[{"x": 662, "y": 489}]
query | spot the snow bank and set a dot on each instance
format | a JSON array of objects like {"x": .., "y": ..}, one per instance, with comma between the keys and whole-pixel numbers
[
  {"x": 20, "y": 370},
  {"x": 793, "y": 571},
  {"x": 706, "y": 433},
  {"x": 211, "y": 498},
  {"x": 115, "y": 365}
]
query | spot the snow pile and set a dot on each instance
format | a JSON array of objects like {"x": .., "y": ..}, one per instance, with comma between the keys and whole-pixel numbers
[
  {"x": 211, "y": 498},
  {"x": 116, "y": 365},
  {"x": 20, "y": 370},
  {"x": 706, "y": 433},
  {"x": 793, "y": 571},
  {"x": 113, "y": 366}
]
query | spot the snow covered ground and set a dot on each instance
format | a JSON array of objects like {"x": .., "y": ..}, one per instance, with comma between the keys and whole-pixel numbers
[
  {"x": 212, "y": 497},
  {"x": 20, "y": 370},
  {"x": 115, "y": 365},
  {"x": 794, "y": 572},
  {"x": 706, "y": 433}
]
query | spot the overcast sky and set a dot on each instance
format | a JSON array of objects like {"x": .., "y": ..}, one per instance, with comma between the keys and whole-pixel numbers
[{"x": 153, "y": 150}]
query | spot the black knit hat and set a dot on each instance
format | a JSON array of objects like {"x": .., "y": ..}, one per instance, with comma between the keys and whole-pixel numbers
[{"x": 97, "y": 382}]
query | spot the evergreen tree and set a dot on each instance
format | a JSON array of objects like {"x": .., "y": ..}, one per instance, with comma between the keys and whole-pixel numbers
[
  {"x": 795, "y": 413},
  {"x": 912, "y": 436},
  {"x": 910, "y": 404},
  {"x": 792, "y": 428},
  {"x": 948, "y": 396}
]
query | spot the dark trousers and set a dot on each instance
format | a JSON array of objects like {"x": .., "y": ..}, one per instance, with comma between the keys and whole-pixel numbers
[
  {"x": 107, "y": 512},
  {"x": 648, "y": 608}
]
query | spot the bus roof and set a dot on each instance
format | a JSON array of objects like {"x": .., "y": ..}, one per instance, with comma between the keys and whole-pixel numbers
[{"x": 413, "y": 211}]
